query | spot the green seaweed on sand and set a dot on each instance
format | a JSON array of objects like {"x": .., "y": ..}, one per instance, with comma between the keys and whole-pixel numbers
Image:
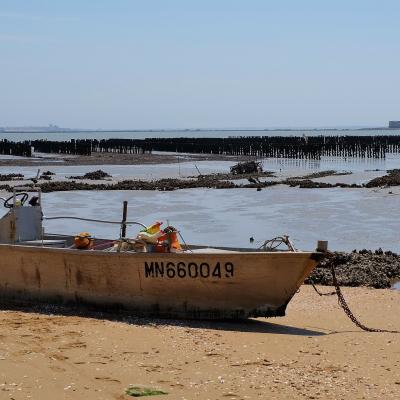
[{"x": 137, "y": 391}]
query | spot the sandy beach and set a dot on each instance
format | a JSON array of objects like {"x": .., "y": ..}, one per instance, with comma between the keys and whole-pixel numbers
[{"x": 315, "y": 352}]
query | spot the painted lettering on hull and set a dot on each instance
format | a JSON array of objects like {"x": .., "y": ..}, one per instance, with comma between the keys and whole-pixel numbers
[{"x": 219, "y": 270}]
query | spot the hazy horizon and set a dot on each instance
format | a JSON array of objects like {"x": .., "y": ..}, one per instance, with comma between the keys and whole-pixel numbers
[
  {"x": 199, "y": 65},
  {"x": 250, "y": 128}
]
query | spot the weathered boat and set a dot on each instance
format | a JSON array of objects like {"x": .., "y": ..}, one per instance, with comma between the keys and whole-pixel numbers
[{"x": 197, "y": 282}]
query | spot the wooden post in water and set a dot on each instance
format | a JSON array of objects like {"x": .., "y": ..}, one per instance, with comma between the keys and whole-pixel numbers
[{"x": 124, "y": 217}]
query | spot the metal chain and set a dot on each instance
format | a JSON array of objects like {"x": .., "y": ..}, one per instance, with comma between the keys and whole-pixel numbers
[
  {"x": 323, "y": 294},
  {"x": 343, "y": 304}
]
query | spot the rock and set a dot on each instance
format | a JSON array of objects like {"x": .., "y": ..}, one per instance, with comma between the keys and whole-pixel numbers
[
  {"x": 95, "y": 175},
  {"x": 161, "y": 185},
  {"x": 321, "y": 174},
  {"x": 391, "y": 179},
  {"x": 363, "y": 268},
  {"x": 11, "y": 177},
  {"x": 248, "y": 167}
]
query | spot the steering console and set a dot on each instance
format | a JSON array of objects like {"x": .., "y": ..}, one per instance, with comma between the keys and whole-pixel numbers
[{"x": 23, "y": 197}]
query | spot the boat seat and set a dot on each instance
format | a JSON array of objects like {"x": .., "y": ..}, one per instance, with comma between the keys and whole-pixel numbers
[{"x": 44, "y": 243}]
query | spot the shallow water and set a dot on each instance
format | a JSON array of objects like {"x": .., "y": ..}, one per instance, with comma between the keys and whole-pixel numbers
[
  {"x": 148, "y": 171},
  {"x": 362, "y": 169},
  {"x": 348, "y": 218},
  {"x": 192, "y": 133},
  {"x": 333, "y": 163}
]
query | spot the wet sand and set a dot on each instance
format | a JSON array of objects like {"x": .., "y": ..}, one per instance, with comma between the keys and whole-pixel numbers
[
  {"x": 49, "y": 159},
  {"x": 314, "y": 352}
]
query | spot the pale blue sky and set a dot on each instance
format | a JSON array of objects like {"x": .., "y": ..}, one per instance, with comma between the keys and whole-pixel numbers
[{"x": 198, "y": 64}]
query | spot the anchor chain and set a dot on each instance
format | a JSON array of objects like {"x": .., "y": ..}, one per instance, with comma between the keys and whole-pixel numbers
[
  {"x": 343, "y": 304},
  {"x": 323, "y": 294}
]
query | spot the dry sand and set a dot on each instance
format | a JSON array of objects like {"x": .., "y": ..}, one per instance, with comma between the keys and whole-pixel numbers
[{"x": 314, "y": 352}]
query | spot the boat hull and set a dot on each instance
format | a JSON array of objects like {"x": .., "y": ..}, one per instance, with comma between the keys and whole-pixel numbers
[{"x": 188, "y": 285}]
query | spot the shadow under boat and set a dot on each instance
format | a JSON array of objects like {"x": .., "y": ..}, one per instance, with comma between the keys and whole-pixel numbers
[{"x": 245, "y": 325}]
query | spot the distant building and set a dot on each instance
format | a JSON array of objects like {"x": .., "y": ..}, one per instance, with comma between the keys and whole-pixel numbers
[{"x": 394, "y": 124}]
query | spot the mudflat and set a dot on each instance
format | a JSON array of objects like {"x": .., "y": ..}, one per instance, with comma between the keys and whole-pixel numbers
[
  {"x": 115, "y": 159},
  {"x": 315, "y": 352}
]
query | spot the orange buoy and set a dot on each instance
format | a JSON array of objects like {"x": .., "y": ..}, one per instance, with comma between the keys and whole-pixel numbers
[
  {"x": 172, "y": 239},
  {"x": 83, "y": 241}
]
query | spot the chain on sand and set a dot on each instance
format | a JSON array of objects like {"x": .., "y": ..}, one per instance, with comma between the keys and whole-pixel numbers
[{"x": 342, "y": 302}]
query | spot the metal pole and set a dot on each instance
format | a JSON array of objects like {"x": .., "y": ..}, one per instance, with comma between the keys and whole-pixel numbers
[{"x": 124, "y": 217}]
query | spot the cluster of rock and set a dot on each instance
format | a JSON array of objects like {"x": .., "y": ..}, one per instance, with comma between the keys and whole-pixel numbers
[
  {"x": 46, "y": 175},
  {"x": 95, "y": 175},
  {"x": 11, "y": 177},
  {"x": 322, "y": 174},
  {"x": 309, "y": 184},
  {"x": 161, "y": 185},
  {"x": 363, "y": 268},
  {"x": 391, "y": 179},
  {"x": 249, "y": 167},
  {"x": 252, "y": 171}
]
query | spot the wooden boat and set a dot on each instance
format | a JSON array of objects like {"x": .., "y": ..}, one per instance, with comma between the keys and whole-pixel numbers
[{"x": 198, "y": 282}]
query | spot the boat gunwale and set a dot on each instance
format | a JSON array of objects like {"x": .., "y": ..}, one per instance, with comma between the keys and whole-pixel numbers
[{"x": 235, "y": 253}]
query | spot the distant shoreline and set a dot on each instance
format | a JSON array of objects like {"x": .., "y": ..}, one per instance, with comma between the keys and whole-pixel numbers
[{"x": 67, "y": 130}]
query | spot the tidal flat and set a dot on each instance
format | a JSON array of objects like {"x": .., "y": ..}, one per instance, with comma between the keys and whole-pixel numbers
[{"x": 348, "y": 218}]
